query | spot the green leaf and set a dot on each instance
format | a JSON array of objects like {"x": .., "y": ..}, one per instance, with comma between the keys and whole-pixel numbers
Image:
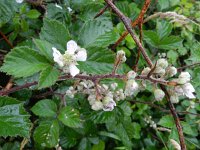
[
  {"x": 33, "y": 14},
  {"x": 45, "y": 108},
  {"x": 99, "y": 146},
  {"x": 166, "y": 121},
  {"x": 84, "y": 144},
  {"x": 92, "y": 30},
  {"x": 47, "y": 134},
  {"x": 69, "y": 138},
  {"x": 45, "y": 48},
  {"x": 23, "y": 62},
  {"x": 189, "y": 129},
  {"x": 14, "y": 120},
  {"x": 164, "y": 28},
  {"x": 7, "y": 10},
  {"x": 55, "y": 33},
  {"x": 169, "y": 42},
  {"x": 70, "y": 117},
  {"x": 48, "y": 77},
  {"x": 106, "y": 39}
]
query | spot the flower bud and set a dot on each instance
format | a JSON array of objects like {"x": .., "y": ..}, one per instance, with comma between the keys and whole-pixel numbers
[
  {"x": 175, "y": 144},
  {"x": 70, "y": 92},
  {"x": 108, "y": 103},
  {"x": 172, "y": 71},
  {"x": 113, "y": 86},
  {"x": 159, "y": 94},
  {"x": 183, "y": 78},
  {"x": 145, "y": 71},
  {"x": 131, "y": 87},
  {"x": 97, "y": 105},
  {"x": 131, "y": 75},
  {"x": 159, "y": 71},
  {"x": 162, "y": 63},
  {"x": 121, "y": 55}
]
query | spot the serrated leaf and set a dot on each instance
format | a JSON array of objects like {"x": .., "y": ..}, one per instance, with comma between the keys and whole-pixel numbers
[
  {"x": 188, "y": 129},
  {"x": 70, "y": 117},
  {"x": 33, "y": 14},
  {"x": 92, "y": 30},
  {"x": 23, "y": 62},
  {"x": 45, "y": 108},
  {"x": 7, "y": 10},
  {"x": 45, "y": 48},
  {"x": 55, "y": 33},
  {"x": 4, "y": 100},
  {"x": 14, "y": 120},
  {"x": 169, "y": 42},
  {"x": 164, "y": 28},
  {"x": 99, "y": 146},
  {"x": 166, "y": 121},
  {"x": 69, "y": 138},
  {"x": 106, "y": 39},
  {"x": 48, "y": 77},
  {"x": 47, "y": 134}
]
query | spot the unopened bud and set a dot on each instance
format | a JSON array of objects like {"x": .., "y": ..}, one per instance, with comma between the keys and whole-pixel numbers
[
  {"x": 121, "y": 55},
  {"x": 172, "y": 71},
  {"x": 162, "y": 63},
  {"x": 159, "y": 94},
  {"x": 145, "y": 71},
  {"x": 131, "y": 75},
  {"x": 174, "y": 98},
  {"x": 131, "y": 87},
  {"x": 97, "y": 105},
  {"x": 183, "y": 78}
]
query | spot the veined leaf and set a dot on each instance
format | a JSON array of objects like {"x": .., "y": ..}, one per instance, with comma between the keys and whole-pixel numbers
[
  {"x": 14, "y": 120},
  {"x": 48, "y": 77},
  {"x": 70, "y": 117},
  {"x": 47, "y": 133},
  {"x": 45, "y": 108},
  {"x": 23, "y": 62},
  {"x": 55, "y": 33}
]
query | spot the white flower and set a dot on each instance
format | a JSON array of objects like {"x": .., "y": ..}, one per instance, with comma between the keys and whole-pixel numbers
[
  {"x": 131, "y": 75},
  {"x": 69, "y": 9},
  {"x": 108, "y": 103},
  {"x": 19, "y": 1},
  {"x": 121, "y": 55},
  {"x": 70, "y": 92},
  {"x": 131, "y": 87},
  {"x": 171, "y": 71},
  {"x": 68, "y": 61},
  {"x": 162, "y": 63},
  {"x": 188, "y": 90},
  {"x": 97, "y": 105},
  {"x": 145, "y": 71},
  {"x": 58, "y": 6},
  {"x": 175, "y": 144},
  {"x": 183, "y": 78},
  {"x": 159, "y": 71},
  {"x": 159, "y": 94}
]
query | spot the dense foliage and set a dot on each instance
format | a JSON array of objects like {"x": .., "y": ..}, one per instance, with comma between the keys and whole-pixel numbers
[{"x": 55, "y": 96}]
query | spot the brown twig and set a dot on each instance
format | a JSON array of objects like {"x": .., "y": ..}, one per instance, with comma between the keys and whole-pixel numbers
[
  {"x": 138, "y": 21},
  {"x": 101, "y": 12},
  {"x": 86, "y": 77},
  {"x": 188, "y": 66},
  {"x": 6, "y": 39},
  {"x": 128, "y": 26},
  {"x": 176, "y": 119}
]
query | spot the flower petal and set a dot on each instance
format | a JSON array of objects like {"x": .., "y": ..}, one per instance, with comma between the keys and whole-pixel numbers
[
  {"x": 71, "y": 46},
  {"x": 81, "y": 55},
  {"x": 190, "y": 95},
  {"x": 73, "y": 70},
  {"x": 57, "y": 57}
]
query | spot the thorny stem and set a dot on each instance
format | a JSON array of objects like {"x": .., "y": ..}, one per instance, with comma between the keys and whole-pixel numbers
[
  {"x": 86, "y": 77},
  {"x": 176, "y": 119},
  {"x": 138, "y": 21},
  {"x": 127, "y": 23}
]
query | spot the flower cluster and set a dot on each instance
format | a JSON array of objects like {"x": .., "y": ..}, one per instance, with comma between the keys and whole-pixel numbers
[
  {"x": 149, "y": 121},
  {"x": 184, "y": 88},
  {"x": 162, "y": 70},
  {"x": 106, "y": 97},
  {"x": 68, "y": 61}
]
